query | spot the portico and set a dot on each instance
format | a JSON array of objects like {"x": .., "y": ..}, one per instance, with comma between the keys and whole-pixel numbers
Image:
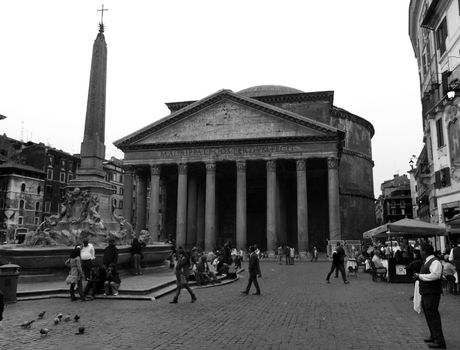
[{"x": 229, "y": 167}]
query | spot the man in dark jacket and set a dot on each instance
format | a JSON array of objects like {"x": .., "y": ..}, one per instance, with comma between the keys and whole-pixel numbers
[
  {"x": 430, "y": 278},
  {"x": 254, "y": 272},
  {"x": 338, "y": 263},
  {"x": 110, "y": 254}
]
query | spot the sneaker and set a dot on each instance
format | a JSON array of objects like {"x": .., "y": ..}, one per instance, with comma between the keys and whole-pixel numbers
[
  {"x": 256, "y": 293},
  {"x": 193, "y": 299},
  {"x": 174, "y": 301},
  {"x": 115, "y": 294},
  {"x": 105, "y": 294},
  {"x": 244, "y": 292},
  {"x": 346, "y": 282},
  {"x": 328, "y": 281}
]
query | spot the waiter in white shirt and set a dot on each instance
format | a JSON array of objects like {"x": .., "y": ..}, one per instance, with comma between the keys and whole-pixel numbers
[
  {"x": 87, "y": 256},
  {"x": 430, "y": 289}
]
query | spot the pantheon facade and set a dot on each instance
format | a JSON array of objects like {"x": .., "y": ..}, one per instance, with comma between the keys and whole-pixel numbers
[{"x": 267, "y": 165}]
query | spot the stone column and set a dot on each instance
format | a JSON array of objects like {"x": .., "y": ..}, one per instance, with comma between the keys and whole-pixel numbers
[
  {"x": 302, "y": 208},
  {"x": 200, "y": 215},
  {"x": 210, "y": 207},
  {"x": 141, "y": 200},
  {"x": 271, "y": 207},
  {"x": 128, "y": 194},
  {"x": 154, "y": 219},
  {"x": 181, "y": 219},
  {"x": 334, "y": 198},
  {"x": 241, "y": 219},
  {"x": 191, "y": 212}
]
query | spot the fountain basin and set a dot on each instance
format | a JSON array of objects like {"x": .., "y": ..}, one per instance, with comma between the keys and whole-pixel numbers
[{"x": 51, "y": 259}]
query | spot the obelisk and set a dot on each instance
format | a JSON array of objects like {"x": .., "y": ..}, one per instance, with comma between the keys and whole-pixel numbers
[{"x": 90, "y": 176}]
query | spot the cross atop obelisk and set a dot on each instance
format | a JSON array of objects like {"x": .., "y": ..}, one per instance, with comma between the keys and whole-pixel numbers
[{"x": 101, "y": 25}]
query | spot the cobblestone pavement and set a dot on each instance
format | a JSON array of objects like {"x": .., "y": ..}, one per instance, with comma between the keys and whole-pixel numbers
[{"x": 297, "y": 310}]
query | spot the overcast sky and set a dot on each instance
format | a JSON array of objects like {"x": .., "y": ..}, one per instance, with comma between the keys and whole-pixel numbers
[{"x": 165, "y": 51}]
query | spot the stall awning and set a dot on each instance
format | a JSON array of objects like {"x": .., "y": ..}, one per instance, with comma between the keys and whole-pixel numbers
[{"x": 407, "y": 228}]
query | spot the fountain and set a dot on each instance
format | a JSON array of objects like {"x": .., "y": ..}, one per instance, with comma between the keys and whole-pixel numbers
[{"x": 87, "y": 210}]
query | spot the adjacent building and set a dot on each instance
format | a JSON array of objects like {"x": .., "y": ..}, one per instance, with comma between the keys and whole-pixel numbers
[
  {"x": 434, "y": 30},
  {"x": 395, "y": 202}
]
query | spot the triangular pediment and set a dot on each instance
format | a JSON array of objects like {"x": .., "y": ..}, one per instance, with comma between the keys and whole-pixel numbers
[{"x": 226, "y": 116}]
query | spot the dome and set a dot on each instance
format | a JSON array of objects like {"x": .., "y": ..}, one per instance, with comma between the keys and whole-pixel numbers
[{"x": 268, "y": 90}]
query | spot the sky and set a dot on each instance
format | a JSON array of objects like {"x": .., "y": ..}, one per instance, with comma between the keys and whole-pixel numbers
[{"x": 182, "y": 50}]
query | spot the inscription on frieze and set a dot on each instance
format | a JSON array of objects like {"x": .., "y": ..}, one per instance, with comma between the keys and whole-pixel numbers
[{"x": 229, "y": 151}]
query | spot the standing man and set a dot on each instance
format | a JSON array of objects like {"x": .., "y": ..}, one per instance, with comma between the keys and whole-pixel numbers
[
  {"x": 110, "y": 254},
  {"x": 254, "y": 272},
  {"x": 454, "y": 258},
  {"x": 430, "y": 289},
  {"x": 314, "y": 256},
  {"x": 87, "y": 256}
]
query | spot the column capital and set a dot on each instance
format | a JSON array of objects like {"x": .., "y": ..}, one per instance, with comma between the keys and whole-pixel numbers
[
  {"x": 155, "y": 169},
  {"x": 241, "y": 165},
  {"x": 300, "y": 165},
  {"x": 271, "y": 165},
  {"x": 332, "y": 163},
  {"x": 128, "y": 169},
  {"x": 210, "y": 166},
  {"x": 182, "y": 168}
]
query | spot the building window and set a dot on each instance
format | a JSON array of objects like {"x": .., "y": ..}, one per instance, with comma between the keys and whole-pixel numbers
[
  {"x": 23, "y": 187},
  {"x": 49, "y": 174},
  {"x": 62, "y": 177},
  {"x": 120, "y": 204},
  {"x": 121, "y": 190},
  {"x": 442, "y": 178},
  {"x": 115, "y": 203},
  {"x": 37, "y": 206},
  {"x": 63, "y": 164},
  {"x": 441, "y": 35},
  {"x": 69, "y": 177},
  {"x": 21, "y": 204},
  {"x": 39, "y": 189},
  {"x": 440, "y": 133},
  {"x": 20, "y": 220},
  {"x": 47, "y": 207},
  {"x": 50, "y": 160},
  {"x": 36, "y": 220}
]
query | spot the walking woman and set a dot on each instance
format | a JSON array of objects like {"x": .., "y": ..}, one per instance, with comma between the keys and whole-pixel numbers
[
  {"x": 136, "y": 253},
  {"x": 182, "y": 271},
  {"x": 76, "y": 275}
]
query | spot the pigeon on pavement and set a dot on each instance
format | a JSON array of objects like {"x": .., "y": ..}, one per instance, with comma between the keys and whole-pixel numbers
[
  {"x": 59, "y": 316},
  {"x": 81, "y": 330},
  {"x": 41, "y": 315},
  {"x": 27, "y": 324},
  {"x": 56, "y": 320},
  {"x": 76, "y": 318},
  {"x": 44, "y": 331},
  {"x": 67, "y": 318}
]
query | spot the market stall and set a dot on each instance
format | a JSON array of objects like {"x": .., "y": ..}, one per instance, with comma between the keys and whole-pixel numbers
[{"x": 405, "y": 229}]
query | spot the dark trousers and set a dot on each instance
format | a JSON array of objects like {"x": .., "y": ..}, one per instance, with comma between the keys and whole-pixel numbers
[
  {"x": 86, "y": 267},
  {"x": 252, "y": 279},
  {"x": 337, "y": 267},
  {"x": 91, "y": 288},
  {"x": 430, "y": 304}
]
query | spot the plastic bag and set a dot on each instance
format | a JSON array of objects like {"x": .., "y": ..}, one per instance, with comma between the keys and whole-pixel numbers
[{"x": 417, "y": 298}]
